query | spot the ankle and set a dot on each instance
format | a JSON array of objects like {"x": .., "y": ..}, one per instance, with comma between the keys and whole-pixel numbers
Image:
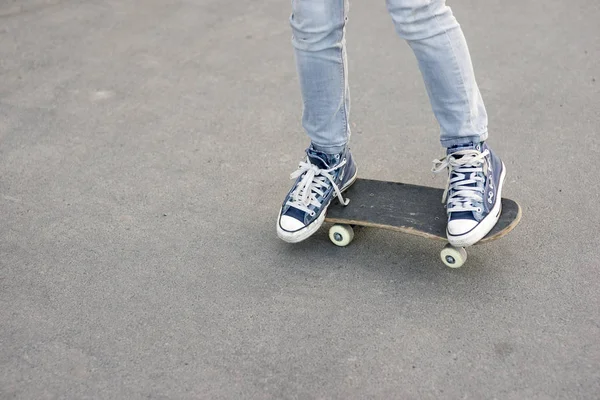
[{"x": 329, "y": 150}]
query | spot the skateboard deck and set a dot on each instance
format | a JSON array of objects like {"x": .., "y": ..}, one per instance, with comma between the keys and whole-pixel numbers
[{"x": 412, "y": 209}]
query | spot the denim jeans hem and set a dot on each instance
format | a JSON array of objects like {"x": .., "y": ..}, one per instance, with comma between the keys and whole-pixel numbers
[
  {"x": 464, "y": 140},
  {"x": 329, "y": 149}
]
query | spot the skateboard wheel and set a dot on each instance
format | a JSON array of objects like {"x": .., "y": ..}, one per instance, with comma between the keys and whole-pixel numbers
[
  {"x": 453, "y": 257},
  {"x": 341, "y": 235}
]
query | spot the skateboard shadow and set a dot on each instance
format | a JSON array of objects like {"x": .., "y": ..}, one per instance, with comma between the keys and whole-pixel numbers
[{"x": 401, "y": 261}]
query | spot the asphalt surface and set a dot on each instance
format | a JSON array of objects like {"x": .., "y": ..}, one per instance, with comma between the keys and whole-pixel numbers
[{"x": 145, "y": 147}]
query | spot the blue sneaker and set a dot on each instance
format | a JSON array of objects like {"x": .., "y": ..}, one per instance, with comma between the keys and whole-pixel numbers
[
  {"x": 473, "y": 192},
  {"x": 318, "y": 178}
]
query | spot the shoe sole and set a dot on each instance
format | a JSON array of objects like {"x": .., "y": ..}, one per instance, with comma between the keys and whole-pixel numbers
[
  {"x": 486, "y": 224},
  {"x": 309, "y": 230}
]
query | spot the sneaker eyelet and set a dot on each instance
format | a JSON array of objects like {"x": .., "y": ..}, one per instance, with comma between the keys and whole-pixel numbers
[
  {"x": 312, "y": 213},
  {"x": 479, "y": 210}
]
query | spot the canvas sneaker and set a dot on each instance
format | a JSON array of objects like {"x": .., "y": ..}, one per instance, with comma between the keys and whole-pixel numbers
[
  {"x": 473, "y": 191},
  {"x": 318, "y": 179}
]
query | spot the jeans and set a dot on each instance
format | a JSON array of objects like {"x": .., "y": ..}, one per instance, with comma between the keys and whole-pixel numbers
[{"x": 438, "y": 43}]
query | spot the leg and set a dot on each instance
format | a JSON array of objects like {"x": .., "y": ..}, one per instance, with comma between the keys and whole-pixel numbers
[
  {"x": 437, "y": 40},
  {"x": 319, "y": 41},
  {"x": 476, "y": 173},
  {"x": 318, "y": 28}
]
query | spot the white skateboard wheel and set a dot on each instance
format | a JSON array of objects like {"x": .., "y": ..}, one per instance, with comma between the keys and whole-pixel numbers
[
  {"x": 341, "y": 235},
  {"x": 453, "y": 257}
]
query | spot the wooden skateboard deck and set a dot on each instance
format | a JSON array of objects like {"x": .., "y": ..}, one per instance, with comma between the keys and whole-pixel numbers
[{"x": 412, "y": 209}]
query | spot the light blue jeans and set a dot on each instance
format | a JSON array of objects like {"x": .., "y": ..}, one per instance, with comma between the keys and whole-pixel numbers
[{"x": 437, "y": 41}]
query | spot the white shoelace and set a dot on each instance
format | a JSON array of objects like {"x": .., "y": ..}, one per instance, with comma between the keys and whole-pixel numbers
[
  {"x": 314, "y": 183},
  {"x": 462, "y": 178}
]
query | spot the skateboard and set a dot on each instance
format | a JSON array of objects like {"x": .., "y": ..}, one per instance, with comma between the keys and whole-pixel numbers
[{"x": 412, "y": 209}]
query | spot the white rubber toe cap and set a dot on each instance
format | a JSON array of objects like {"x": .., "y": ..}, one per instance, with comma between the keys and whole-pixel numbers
[
  {"x": 290, "y": 224},
  {"x": 461, "y": 226}
]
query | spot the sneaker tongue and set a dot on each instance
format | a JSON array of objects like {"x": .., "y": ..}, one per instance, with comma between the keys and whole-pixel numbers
[
  {"x": 454, "y": 149},
  {"x": 467, "y": 146},
  {"x": 321, "y": 160}
]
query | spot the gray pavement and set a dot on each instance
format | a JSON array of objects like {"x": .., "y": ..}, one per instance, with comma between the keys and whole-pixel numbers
[{"x": 145, "y": 147}]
